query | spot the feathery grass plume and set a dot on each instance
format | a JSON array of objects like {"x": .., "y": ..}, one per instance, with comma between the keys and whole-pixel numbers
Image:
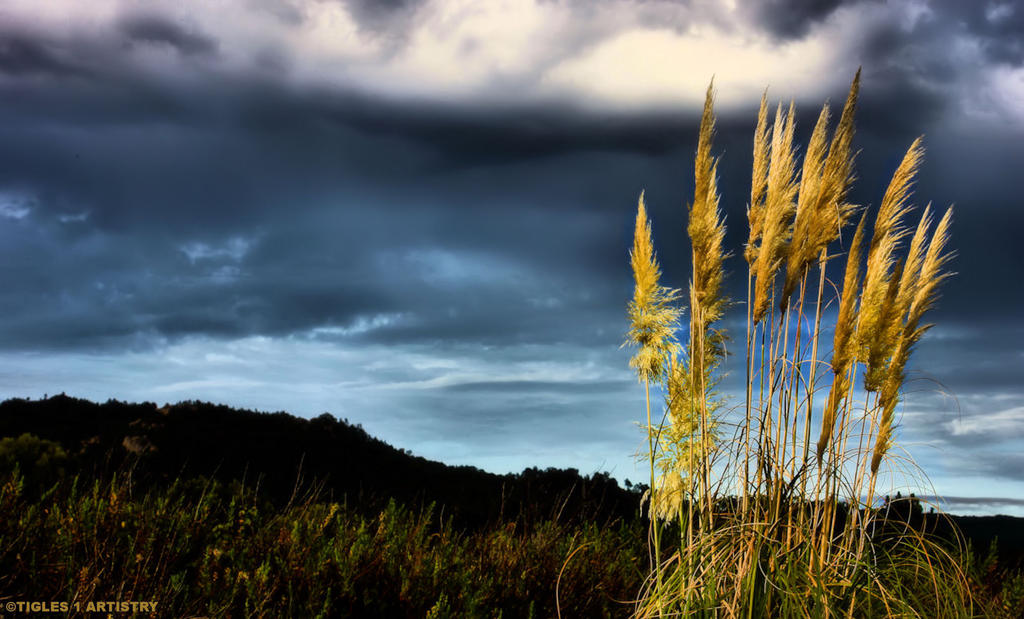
[
  {"x": 872, "y": 327},
  {"x": 931, "y": 275},
  {"x": 681, "y": 439},
  {"x": 668, "y": 498},
  {"x": 707, "y": 232},
  {"x": 778, "y": 213},
  {"x": 759, "y": 182},
  {"x": 705, "y": 227},
  {"x": 915, "y": 258},
  {"x": 844, "y": 343},
  {"x": 898, "y": 297},
  {"x": 925, "y": 295},
  {"x": 822, "y": 209},
  {"x": 653, "y": 320},
  {"x": 652, "y": 316},
  {"x": 889, "y": 325},
  {"x": 678, "y": 449},
  {"x": 683, "y": 416},
  {"x": 807, "y": 222},
  {"x": 839, "y": 174}
]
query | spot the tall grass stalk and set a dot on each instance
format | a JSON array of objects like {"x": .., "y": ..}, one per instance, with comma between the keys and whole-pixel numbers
[
  {"x": 780, "y": 520},
  {"x": 653, "y": 319}
]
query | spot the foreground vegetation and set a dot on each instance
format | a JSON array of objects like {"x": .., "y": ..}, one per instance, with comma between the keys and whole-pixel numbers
[{"x": 203, "y": 548}]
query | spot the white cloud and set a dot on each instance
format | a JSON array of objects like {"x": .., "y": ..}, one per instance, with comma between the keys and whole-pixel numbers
[
  {"x": 233, "y": 249},
  {"x": 996, "y": 12},
  {"x": 361, "y": 325},
  {"x": 14, "y": 205},
  {"x": 332, "y": 40},
  {"x": 661, "y": 66},
  {"x": 1007, "y": 423},
  {"x": 468, "y": 47},
  {"x": 443, "y": 267},
  {"x": 69, "y": 218},
  {"x": 1006, "y": 90}
]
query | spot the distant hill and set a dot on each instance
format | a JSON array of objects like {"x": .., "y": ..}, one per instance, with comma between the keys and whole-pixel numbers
[{"x": 285, "y": 455}]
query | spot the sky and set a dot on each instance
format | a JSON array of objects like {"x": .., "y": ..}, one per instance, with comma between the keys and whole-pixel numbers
[{"x": 416, "y": 214}]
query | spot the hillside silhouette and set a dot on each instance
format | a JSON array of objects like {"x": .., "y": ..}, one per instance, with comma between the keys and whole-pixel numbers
[{"x": 285, "y": 457}]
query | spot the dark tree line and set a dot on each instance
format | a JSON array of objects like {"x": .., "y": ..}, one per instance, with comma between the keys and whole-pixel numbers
[{"x": 285, "y": 457}]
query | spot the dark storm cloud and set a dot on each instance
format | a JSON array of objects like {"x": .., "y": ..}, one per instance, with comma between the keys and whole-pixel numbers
[
  {"x": 997, "y": 26},
  {"x": 284, "y": 10},
  {"x": 791, "y": 19},
  {"x": 915, "y": 72},
  {"x": 568, "y": 194},
  {"x": 1001, "y": 463},
  {"x": 462, "y": 135},
  {"x": 326, "y": 180},
  {"x": 23, "y": 53},
  {"x": 517, "y": 134},
  {"x": 152, "y": 29},
  {"x": 231, "y": 124},
  {"x": 99, "y": 292},
  {"x": 981, "y": 356},
  {"x": 387, "y": 22},
  {"x": 932, "y": 55},
  {"x": 376, "y": 14}
]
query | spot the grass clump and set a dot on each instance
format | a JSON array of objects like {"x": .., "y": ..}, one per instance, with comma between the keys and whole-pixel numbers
[{"x": 781, "y": 519}]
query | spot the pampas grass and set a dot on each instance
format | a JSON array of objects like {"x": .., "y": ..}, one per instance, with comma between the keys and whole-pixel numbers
[
  {"x": 763, "y": 524},
  {"x": 653, "y": 319}
]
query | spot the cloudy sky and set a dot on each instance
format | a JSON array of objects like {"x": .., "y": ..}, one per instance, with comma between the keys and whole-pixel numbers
[{"x": 415, "y": 214}]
